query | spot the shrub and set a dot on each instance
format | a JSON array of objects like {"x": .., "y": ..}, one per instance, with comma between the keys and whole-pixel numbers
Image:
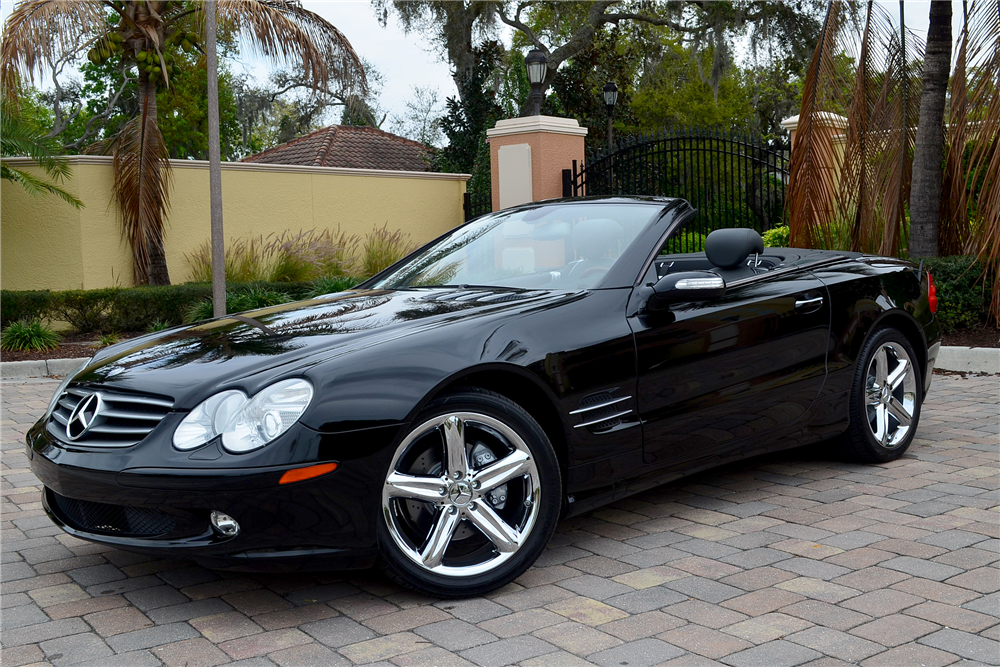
[
  {"x": 109, "y": 339},
  {"x": 381, "y": 249},
  {"x": 24, "y": 306},
  {"x": 85, "y": 310},
  {"x": 776, "y": 237},
  {"x": 239, "y": 299},
  {"x": 963, "y": 290},
  {"x": 28, "y": 336},
  {"x": 158, "y": 325},
  {"x": 332, "y": 284},
  {"x": 285, "y": 257}
]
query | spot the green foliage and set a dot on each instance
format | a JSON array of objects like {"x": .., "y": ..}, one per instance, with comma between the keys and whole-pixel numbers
[
  {"x": 157, "y": 325},
  {"x": 109, "y": 338},
  {"x": 28, "y": 336},
  {"x": 238, "y": 300},
  {"x": 26, "y": 306},
  {"x": 578, "y": 86},
  {"x": 381, "y": 249},
  {"x": 21, "y": 137},
  {"x": 684, "y": 242},
  {"x": 332, "y": 285},
  {"x": 678, "y": 92},
  {"x": 777, "y": 237},
  {"x": 468, "y": 116},
  {"x": 292, "y": 256},
  {"x": 964, "y": 289}
]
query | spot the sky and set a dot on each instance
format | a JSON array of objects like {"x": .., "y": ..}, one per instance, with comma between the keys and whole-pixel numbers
[{"x": 405, "y": 62}]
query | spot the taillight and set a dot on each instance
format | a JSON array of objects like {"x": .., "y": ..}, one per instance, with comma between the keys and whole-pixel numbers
[{"x": 931, "y": 293}]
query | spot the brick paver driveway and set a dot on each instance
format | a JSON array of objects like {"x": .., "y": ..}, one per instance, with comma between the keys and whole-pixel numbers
[{"x": 785, "y": 560}]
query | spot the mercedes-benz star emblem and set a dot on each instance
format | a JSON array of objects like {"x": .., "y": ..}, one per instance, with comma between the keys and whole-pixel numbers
[{"x": 84, "y": 416}]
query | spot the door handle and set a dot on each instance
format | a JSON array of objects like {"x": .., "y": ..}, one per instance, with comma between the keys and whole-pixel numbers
[{"x": 809, "y": 304}]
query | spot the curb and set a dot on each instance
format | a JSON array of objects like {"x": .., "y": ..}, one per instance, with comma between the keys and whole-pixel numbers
[
  {"x": 21, "y": 370},
  {"x": 968, "y": 359}
]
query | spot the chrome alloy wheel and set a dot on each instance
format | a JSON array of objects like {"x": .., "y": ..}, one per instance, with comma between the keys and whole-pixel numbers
[
  {"x": 462, "y": 494},
  {"x": 890, "y": 394}
]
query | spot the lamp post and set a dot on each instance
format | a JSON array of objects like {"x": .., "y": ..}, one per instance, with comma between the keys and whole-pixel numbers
[
  {"x": 537, "y": 64},
  {"x": 610, "y": 98}
]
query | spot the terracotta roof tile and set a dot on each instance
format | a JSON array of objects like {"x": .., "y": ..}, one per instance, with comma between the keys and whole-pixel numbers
[{"x": 349, "y": 146}]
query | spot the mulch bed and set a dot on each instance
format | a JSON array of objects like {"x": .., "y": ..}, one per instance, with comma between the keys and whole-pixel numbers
[
  {"x": 984, "y": 336},
  {"x": 73, "y": 346}
]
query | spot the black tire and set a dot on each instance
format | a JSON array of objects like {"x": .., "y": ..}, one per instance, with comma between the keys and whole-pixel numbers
[
  {"x": 862, "y": 441},
  {"x": 489, "y": 425}
]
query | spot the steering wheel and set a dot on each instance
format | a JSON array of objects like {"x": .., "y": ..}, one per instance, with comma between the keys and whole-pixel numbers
[{"x": 600, "y": 270}]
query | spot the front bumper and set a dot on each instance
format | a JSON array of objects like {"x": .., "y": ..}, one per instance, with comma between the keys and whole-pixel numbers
[{"x": 323, "y": 523}]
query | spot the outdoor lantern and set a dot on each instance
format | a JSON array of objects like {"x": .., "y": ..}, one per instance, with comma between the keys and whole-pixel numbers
[
  {"x": 537, "y": 63},
  {"x": 610, "y": 97}
]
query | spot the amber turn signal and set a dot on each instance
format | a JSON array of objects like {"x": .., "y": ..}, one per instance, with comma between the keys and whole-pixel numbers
[{"x": 300, "y": 474}]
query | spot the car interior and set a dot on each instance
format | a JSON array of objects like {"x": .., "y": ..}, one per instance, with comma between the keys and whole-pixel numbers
[{"x": 733, "y": 254}]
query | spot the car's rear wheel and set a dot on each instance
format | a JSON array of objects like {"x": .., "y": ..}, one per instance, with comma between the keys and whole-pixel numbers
[
  {"x": 471, "y": 497},
  {"x": 885, "y": 398}
]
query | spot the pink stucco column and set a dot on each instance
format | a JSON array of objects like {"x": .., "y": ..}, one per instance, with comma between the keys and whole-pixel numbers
[{"x": 527, "y": 156}]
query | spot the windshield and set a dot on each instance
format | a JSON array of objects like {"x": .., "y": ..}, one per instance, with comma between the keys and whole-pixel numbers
[{"x": 551, "y": 247}]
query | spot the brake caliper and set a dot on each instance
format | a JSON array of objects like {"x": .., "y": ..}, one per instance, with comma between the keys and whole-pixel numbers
[{"x": 483, "y": 456}]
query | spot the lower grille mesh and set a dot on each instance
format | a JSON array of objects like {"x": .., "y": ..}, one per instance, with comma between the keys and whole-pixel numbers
[{"x": 113, "y": 519}]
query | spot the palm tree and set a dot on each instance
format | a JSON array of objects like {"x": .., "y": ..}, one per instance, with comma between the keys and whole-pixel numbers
[
  {"x": 145, "y": 34},
  {"x": 925, "y": 195},
  {"x": 19, "y": 138},
  {"x": 864, "y": 186}
]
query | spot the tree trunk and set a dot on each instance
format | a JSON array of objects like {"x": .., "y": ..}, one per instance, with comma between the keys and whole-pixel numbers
[
  {"x": 215, "y": 165},
  {"x": 158, "y": 274},
  {"x": 928, "y": 153}
]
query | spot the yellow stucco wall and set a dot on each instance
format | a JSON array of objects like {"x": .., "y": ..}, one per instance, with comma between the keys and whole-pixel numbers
[{"x": 47, "y": 244}]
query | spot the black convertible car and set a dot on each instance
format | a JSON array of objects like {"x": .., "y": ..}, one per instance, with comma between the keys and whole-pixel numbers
[{"x": 441, "y": 417}]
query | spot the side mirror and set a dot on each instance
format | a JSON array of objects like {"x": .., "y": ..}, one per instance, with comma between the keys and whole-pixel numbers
[{"x": 686, "y": 286}]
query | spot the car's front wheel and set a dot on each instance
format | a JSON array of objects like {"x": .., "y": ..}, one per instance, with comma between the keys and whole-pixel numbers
[
  {"x": 885, "y": 398},
  {"x": 471, "y": 497}
]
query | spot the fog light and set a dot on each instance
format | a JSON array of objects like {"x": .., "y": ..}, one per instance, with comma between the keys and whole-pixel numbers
[{"x": 225, "y": 524}]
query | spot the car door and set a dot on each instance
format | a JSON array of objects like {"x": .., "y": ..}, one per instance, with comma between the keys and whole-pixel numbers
[{"x": 735, "y": 373}]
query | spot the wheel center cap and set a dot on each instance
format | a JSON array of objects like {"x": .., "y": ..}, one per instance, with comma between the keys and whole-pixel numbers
[
  {"x": 885, "y": 394},
  {"x": 460, "y": 493}
]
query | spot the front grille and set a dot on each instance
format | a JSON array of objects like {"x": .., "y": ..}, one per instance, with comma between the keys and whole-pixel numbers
[
  {"x": 110, "y": 519},
  {"x": 122, "y": 419}
]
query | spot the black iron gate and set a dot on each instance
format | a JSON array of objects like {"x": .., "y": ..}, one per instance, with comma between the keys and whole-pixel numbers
[{"x": 733, "y": 180}]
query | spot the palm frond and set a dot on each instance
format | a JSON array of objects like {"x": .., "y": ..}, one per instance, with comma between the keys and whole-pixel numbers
[
  {"x": 284, "y": 31},
  {"x": 983, "y": 168},
  {"x": 954, "y": 230},
  {"x": 38, "y": 30},
  {"x": 815, "y": 160},
  {"x": 142, "y": 174},
  {"x": 35, "y": 185},
  {"x": 858, "y": 182}
]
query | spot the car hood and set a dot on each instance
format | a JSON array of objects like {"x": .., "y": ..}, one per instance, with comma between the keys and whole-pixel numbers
[{"x": 190, "y": 362}]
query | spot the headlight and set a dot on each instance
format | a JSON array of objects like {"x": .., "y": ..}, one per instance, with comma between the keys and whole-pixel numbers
[
  {"x": 245, "y": 423},
  {"x": 62, "y": 387}
]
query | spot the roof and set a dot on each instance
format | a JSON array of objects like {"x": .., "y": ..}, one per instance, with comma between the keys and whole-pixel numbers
[{"x": 351, "y": 146}]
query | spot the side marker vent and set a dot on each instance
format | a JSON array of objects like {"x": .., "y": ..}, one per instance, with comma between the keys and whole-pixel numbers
[{"x": 601, "y": 411}]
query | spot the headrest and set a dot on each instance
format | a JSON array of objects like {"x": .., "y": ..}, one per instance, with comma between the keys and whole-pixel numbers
[
  {"x": 594, "y": 238},
  {"x": 727, "y": 248}
]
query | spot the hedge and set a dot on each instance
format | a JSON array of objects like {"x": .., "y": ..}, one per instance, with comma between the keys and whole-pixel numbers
[
  {"x": 963, "y": 291},
  {"x": 963, "y": 298},
  {"x": 138, "y": 308}
]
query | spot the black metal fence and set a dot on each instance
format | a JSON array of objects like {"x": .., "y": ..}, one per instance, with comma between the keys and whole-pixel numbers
[
  {"x": 733, "y": 179},
  {"x": 476, "y": 205}
]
